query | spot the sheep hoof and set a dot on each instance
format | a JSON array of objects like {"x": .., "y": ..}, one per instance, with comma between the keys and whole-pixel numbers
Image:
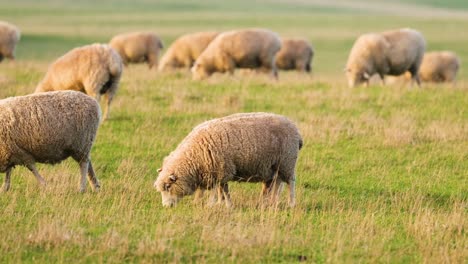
[
  {"x": 5, "y": 188},
  {"x": 229, "y": 205}
]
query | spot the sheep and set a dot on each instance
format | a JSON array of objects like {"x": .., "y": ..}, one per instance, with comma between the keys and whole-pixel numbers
[
  {"x": 138, "y": 47},
  {"x": 48, "y": 128},
  {"x": 439, "y": 66},
  {"x": 9, "y": 37},
  {"x": 185, "y": 50},
  {"x": 295, "y": 54},
  {"x": 388, "y": 53},
  {"x": 250, "y": 48},
  {"x": 245, "y": 147},
  {"x": 93, "y": 69}
]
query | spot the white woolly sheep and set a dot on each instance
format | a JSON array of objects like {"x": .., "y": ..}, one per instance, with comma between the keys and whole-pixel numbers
[
  {"x": 250, "y": 48},
  {"x": 439, "y": 66},
  {"x": 185, "y": 50},
  {"x": 388, "y": 53},
  {"x": 295, "y": 54},
  {"x": 138, "y": 47},
  {"x": 9, "y": 37},
  {"x": 247, "y": 147},
  {"x": 93, "y": 69},
  {"x": 48, "y": 128}
]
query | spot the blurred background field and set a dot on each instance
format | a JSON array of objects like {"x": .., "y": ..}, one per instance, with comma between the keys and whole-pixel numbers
[{"x": 382, "y": 177}]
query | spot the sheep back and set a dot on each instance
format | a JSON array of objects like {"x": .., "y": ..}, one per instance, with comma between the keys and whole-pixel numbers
[
  {"x": 295, "y": 54},
  {"x": 388, "y": 53},
  {"x": 185, "y": 50},
  {"x": 138, "y": 47},
  {"x": 406, "y": 51},
  {"x": 47, "y": 128},
  {"x": 439, "y": 66},
  {"x": 94, "y": 69},
  {"x": 9, "y": 38},
  {"x": 242, "y": 147},
  {"x": 250, "y": 48}
]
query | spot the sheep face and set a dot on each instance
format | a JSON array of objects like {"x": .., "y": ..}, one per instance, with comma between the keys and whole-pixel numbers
[
  {"x": 199, "y": 72},
  {"x": 173, "y": 185},
  {"x": 356, "y": 77},
  {"x": 166, "y": 185}
]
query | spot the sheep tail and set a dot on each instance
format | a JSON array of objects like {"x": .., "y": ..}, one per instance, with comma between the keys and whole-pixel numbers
[{"x": 115, "y": 64}]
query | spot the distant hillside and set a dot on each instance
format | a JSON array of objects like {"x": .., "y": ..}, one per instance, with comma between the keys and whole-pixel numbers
[{"x": 452, "y": 4}]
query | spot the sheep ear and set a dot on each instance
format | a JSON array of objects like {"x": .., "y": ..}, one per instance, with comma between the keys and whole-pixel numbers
[
  {"x": 173, "y": 178},
  {"x": 159, "y": 170},
  {"x": 366, "y": 76}
]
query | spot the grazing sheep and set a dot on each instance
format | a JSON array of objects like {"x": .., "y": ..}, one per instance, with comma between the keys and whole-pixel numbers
[
  {"x": 295, "y": 54},
  {"x": 9, "y": 37},
  {"x": 251, "y": 48},
  {"x": 185, "y": 50},
  {"x": 247, "y": 147},
  {"x": 48, "y": 128},
  {"x": 93, "y": 69},
  {"x": 138, "y": 47},
  {"x": 388, "y": 53},
  {"x": 439, "y": 66}
]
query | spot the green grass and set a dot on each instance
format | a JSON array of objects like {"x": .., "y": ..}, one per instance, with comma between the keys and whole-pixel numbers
[{"x": 382, "y": 176}]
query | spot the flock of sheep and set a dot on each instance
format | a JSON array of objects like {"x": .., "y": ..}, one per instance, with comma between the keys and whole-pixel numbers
[{"x": 61, "y": 118}]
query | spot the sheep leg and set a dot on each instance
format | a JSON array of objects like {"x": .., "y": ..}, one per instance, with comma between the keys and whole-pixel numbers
[
  {"x": 275, "y": 72},
  {"x": 382, "y": 78},
  {"x": 152, "y": 60},
  {"x": 213, "y": 197},
  {"x": 108, "y": 97},
  {"x": 6, "y": 184},
  {"x": 278, "y": 188},
  {"x": 220, "y": 196},
  {"x": 92, "y": 177},
  {"x": 301, "y": 66},
  {"x": 84, "y": 167},
  {"x": 224, "y": 189},
  {"x": 198, "y": 195},
  {"x": 39, "y": 178},
  {"x": 414, "y": 70},
  {"x": 418, "y": 80},
  {"x": 415, "y": 77},
  {"x": 271, "y": 191},
  {"x": 292, "y": 193},
  {"x": 266, "y": 188}
]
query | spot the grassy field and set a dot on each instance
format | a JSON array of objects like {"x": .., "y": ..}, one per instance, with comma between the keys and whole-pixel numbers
[{"x": 382, "y": 177}]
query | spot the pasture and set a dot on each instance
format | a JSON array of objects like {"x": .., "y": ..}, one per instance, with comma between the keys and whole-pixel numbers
[{"x": 382, "y": 176}]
